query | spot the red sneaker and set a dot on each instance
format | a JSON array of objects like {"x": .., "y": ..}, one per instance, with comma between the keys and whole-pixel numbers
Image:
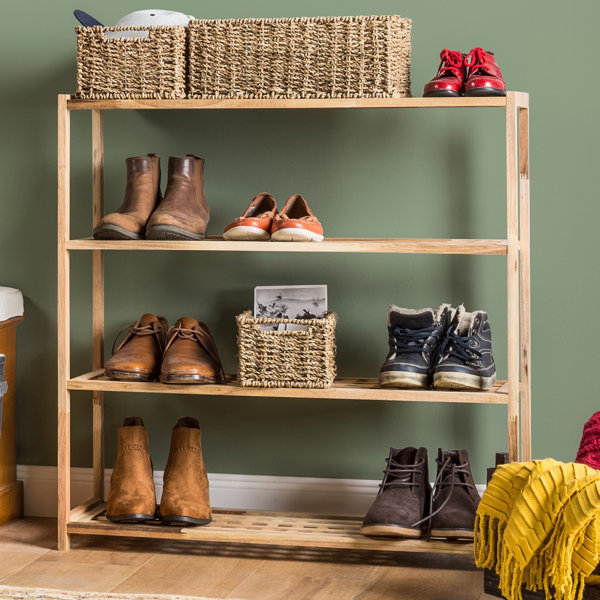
[
  {"x": 296, "y": 223},
  {"x": 255, "y": 223},
  {"x": 484, "y": 78},
  {"x": 450, "y": 78}
]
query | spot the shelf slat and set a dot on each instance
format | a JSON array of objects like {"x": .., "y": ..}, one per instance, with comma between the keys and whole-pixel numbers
[
  {"x": 287, "y": 103},
  {"x": 400, "y": 246},
  {"x": 344, "y": 388},
  {"x": 268, "y": 529}
]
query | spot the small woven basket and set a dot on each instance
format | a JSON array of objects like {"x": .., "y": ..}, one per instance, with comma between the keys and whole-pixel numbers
[
  {"x": 131, "y": 67},
  {"x": 306, "y": 57},
  {"x": 300, "y": 359}
]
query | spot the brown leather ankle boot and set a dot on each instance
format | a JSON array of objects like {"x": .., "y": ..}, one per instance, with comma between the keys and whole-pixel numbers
[
  {"x": 183, "y": 214},
  {"x": 142, "y": 196},
  {"x": 185, "y": 499},
  {"x": 131, "y": 497}
]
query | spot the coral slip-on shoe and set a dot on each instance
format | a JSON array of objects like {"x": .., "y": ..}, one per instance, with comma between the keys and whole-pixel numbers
[
  {"x": 296, "y": 223},
  {"x": 450, "y": 78},
  {"x": 484, "y": 77},
  {"x": 255, "y": 223}
]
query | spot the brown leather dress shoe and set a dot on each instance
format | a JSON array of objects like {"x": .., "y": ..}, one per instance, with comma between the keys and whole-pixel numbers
[
  {"x": 142, "y": 196},
  {"x": 139, "y": 355},
  {"x": 185, "y": 499},
  {"x": 191, "y": 355},
  {"x": 183, "y": 213}
]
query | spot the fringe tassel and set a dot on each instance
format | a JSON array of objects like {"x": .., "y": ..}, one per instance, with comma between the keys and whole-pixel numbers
[{"x": 488, "y": 541}]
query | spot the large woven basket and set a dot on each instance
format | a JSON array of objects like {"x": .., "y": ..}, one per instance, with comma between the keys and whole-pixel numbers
[
  {"x": 132, "y": 67},
  {"x": 306, "y": 57},
  {"x": 300, "y": 359}
]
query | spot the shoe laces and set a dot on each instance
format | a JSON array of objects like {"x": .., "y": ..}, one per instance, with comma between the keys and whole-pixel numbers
[
  {"x": 400, "y": 475},
  {"x": 451, "y": 63},
  {"x": 409, "y": 341},
  {"x": 448, "y": 475},
  {"x": 202, "y": 337},
  {"x": 459, "y": 346},
  {"x": 139, "y": 330},
  {"x": 476, "y": 59}
]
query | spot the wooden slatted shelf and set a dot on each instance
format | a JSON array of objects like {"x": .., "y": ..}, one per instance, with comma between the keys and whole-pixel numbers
[
  {"x": 398, "y": 246},
  {"x": 263, "y": 529},
  {"x": 344, "y": 388},
  {"x": 302, "y": 103}
]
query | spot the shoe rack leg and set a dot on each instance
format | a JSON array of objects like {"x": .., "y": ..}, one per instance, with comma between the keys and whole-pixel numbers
[
  {"x": 98, "y": 300},
  {"x": 512, "y": 226},
  {"x": 63, "y": 317},
  {"x": 525, "y": 280}
]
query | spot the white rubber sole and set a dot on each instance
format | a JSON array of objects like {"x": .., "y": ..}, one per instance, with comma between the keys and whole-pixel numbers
[
  {"x": 453, "y": 533},
  {"x": 296, "y": 235},
  {"x": 451, "y": 380},
  {"x": 246, "y": 233},
  {"x": 390, "y": 531},
  {"x": 403, "y": 379}
]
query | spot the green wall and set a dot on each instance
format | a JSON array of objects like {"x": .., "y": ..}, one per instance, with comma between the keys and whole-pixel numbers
[{"x": 379, "y": 173}]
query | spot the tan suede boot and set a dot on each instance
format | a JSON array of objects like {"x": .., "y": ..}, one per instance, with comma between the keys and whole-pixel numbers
[
  {"x": 183, "y": 214},
  {"x": 142, "y": 196},
  {"x": 185, "y": 499},
  {"x": 131, "y": 498}
]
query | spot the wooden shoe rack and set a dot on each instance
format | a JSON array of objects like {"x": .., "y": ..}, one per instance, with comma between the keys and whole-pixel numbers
[{"x": 268, "y": 529}]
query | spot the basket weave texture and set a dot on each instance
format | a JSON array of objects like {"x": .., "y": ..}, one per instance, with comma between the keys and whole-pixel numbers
[
  {"x": 305, "y": 57},
  {"x": 136, "y": 67},
  {"x": 300, "y": 359}
]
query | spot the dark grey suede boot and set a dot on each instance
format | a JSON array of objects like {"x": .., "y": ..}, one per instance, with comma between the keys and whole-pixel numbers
[
  {"x": 455, "y": 497},
  {"x": 403, "y": 496}
]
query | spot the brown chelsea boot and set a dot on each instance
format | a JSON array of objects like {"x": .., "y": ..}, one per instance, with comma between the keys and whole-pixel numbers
[
  {"x": 183, "y": 214},
  {"x": 191, "y": 355},
  {"x": 131, "y": 497},
  {"x": 138, "y": 357},
  {"x": 142, "y": 196},
  {"x": 185, "y": 499}
]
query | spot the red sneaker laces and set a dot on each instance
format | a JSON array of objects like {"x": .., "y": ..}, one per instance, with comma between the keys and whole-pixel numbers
[
  {"x": 451, "y": 63},
  {"x": 476, "y": 59}
]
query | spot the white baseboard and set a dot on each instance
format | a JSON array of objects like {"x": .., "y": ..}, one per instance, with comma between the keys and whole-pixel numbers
[{"x": 253, "y": 492}]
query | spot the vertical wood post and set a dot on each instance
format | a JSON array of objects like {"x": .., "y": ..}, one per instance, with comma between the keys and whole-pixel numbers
[
  {"x": 63, "y": 323},
  {"x": 512, "y": 230},
  {"x": 98, "y": 301}
]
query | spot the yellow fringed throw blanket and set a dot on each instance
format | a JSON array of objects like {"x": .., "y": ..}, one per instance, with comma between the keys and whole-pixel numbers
[{"x": 538, "y": 524}]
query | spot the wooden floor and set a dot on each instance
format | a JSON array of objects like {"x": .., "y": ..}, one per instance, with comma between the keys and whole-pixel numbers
[{"x": 28, "y": 557}]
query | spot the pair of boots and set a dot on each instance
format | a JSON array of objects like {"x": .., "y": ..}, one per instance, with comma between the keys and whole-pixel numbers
[
  {"x": 407, "y": 506},
  {"x": 181, "y": 215},
  {"x": 185, "y": 499},
  {"x": 448, "y": 348},
  {"x": 184, "y": 353},
  {"x": 473, "y": 74}
]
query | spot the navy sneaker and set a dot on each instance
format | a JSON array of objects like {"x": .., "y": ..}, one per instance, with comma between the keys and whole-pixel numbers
[
  {"x": 465, "y": 360},
  {"x": 414, "y": 337}
]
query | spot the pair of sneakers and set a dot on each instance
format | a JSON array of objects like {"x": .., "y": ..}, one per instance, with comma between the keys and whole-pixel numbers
[
  {"x": 261, "y": 221},
  {"x": 407, "y": 506},
  {"x": 473, "y": 74},
  {"x": 448, "y": 348}
]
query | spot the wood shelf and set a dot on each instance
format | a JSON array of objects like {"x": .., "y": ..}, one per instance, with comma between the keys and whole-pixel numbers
[
  {"x": 521, "y": 99},
  {"x": 344, "y": 388},
  {"x": 362, "y": 245},
  {"x": 263, "y": 529}
]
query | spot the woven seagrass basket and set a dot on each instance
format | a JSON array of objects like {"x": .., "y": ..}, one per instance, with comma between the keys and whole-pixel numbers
[
  {"x": 305, "y": 57},
  {"x": 134, "y": 67},
  {"x": 301, "y": 359}
]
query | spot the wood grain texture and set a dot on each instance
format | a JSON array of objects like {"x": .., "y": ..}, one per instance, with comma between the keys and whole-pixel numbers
[
  {"x": 63, "y": 321},
  {"x": 344, "y": 388},
  {"x": 279, "y": 103},
  {"x": 512, "y": 227},
  {"x": 362, "y": 245}
]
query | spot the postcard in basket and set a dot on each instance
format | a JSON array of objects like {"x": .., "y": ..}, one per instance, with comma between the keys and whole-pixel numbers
[{"x": 290, "y": 302}]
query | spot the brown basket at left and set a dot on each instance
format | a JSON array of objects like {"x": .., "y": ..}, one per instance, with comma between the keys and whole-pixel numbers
[
  {"x": 291, "y": 359},
  {"x": 137, "y": 67}
]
